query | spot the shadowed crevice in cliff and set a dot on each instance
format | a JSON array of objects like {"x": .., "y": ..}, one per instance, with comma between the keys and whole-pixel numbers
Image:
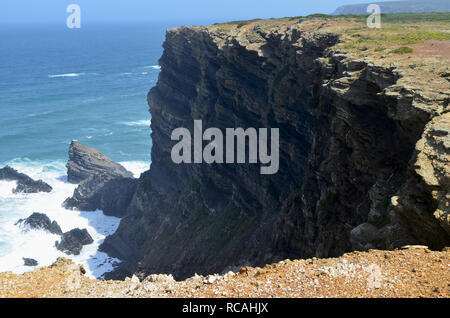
[{"x": 343, "y": 154}]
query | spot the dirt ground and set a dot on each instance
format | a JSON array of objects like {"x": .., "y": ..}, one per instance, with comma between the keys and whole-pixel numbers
[
  {"x": 432, "y": 48},
  {"x": 412, "y": 272}
]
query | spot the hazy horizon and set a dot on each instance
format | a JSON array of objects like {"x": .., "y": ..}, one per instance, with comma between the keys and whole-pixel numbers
[{"x": 25, "y": 12}]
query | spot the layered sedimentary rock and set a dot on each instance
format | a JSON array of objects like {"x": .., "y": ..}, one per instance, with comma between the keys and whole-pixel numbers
[
  {"x": 103, "y": 184},
  {"x": 103, "y": 192},
  {"x": 363, "y": 157},
  {"x": 85, "y": 161}
]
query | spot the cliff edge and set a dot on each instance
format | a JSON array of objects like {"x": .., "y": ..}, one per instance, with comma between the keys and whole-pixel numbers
[{"x": 364, "y": 145}]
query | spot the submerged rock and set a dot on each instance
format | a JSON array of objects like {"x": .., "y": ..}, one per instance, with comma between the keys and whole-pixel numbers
[
  {"x": 40, "y": 221},
  {"x": 73, "y": 241},
  {"x": 85, "y": 161},
  {"x": 25, "y": 184},
  {"x": 29, "y": 262}
]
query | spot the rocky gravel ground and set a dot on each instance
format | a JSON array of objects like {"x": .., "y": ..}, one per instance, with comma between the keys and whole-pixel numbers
[{"x": 413, "y": 271}]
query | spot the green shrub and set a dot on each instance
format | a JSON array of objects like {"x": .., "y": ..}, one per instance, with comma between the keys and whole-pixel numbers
[{"x": 402, "y": 50}]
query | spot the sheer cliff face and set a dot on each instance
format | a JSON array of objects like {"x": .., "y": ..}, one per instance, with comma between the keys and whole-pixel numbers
[{"x": 348, "y": 177}]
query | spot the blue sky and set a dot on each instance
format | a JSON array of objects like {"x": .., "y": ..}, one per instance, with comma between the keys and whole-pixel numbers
[{"x": 186, "y": 11}]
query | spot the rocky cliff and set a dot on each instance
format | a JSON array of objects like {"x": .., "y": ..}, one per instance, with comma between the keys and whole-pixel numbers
[{"x": 364, "y": 151}]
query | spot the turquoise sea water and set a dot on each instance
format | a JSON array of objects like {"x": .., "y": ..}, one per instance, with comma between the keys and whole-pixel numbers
[
  {"x": 89, "y": 84},
  {"x": 56, "y": 85}
]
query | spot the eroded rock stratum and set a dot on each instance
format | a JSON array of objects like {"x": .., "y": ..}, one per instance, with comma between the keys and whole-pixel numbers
[{"x": 364, "y": 146}]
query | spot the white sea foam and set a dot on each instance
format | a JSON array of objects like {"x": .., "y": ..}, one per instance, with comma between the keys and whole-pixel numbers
[
  {"x": 40, "y": 114},
  {"x": 138, "y": 70},
  {"x": 92, "y": 100},
  {"x": 16, "y": 244},
  {"x": 6, "y": 188},
  {"x": 136, "y": 167},
  {"x": 66, "y": 75},
  {"x": 138, "y": 123},
  {"x": 70, "y": 75},
  {"x": 155, "y": 67}
]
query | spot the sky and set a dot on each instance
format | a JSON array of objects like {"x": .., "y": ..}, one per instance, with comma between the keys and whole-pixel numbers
[{"x": 186, "y": 11}]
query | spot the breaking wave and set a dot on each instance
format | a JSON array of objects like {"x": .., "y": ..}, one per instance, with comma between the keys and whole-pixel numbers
[{"x": 40, "y": 245}]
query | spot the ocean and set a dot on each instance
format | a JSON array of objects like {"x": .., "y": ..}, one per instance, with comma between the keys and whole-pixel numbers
[{"x": 56, "y": 85}]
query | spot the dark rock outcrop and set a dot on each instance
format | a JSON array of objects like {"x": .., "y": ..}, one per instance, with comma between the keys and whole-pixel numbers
[
  {"x": 348, "y": 135},
  {"x": 73, "y": 241},
  {"x": 85, "y": 161},
  {"x": 24, "y": 183},
  {"x": 103, "y": 184},
  {"x": 104, "y": 192},
  {"x": 29, "y": 262},
  {"x": 40, "y": 221}
]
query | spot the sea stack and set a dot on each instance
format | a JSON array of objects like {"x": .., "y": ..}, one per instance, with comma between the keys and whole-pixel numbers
[
  {"x": 85, "y": 161},
  {"x": 102, "y": 183}
]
